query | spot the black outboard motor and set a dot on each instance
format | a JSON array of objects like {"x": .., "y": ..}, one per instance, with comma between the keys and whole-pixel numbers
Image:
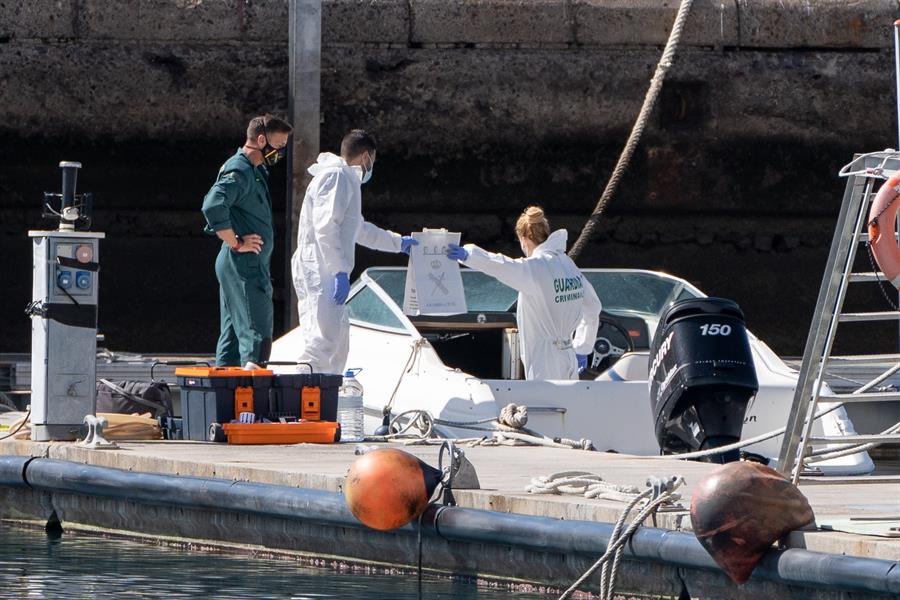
[{"x": 701, "y": 376}]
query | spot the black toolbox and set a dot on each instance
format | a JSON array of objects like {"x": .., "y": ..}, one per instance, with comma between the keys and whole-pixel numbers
[
  {"x": 218, "y": 394},
  {"x": 288, "y": 391}
]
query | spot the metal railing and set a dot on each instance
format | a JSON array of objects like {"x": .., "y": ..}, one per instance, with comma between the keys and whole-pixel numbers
[{"x": 864, "y": 173}]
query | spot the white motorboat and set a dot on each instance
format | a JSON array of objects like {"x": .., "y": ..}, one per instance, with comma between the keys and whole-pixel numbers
[{"x": 465, "y": 368}]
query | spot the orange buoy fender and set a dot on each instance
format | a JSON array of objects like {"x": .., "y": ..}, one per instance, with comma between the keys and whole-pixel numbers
[
  {"x": 882, "y": 216},
  {"x": 740, "y": 509},
  {"x": 387, "y": 488}
]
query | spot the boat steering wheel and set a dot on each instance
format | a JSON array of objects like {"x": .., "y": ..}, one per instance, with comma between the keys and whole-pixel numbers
[{"x": 612, "y": 342}]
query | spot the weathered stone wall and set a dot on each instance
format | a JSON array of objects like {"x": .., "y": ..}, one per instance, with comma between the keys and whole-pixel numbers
[{"x": 480, "y": 106}]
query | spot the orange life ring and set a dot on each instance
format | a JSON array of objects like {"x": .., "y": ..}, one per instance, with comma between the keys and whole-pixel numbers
[{"x": 882, "y": 216}]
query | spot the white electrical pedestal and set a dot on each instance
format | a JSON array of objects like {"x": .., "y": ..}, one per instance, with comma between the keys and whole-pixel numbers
[{"x": 63, "y": 315}]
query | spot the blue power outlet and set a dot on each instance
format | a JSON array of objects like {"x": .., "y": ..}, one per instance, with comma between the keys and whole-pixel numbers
[
  {"x": 64, "y": 279},
  {"x": 83, "y": 280}
]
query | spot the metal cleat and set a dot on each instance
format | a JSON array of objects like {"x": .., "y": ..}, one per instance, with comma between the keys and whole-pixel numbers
[
  {"x": 94, "y": 439},
  {"x": 459, "y": 474},
  {"x": 665, "y": 485}
]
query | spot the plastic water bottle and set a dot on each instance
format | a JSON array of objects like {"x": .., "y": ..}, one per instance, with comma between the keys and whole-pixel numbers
[{"x": 351, "y": 415}]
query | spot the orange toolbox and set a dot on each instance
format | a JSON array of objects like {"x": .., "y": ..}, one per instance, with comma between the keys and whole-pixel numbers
[{"x": 312, "y": 432}]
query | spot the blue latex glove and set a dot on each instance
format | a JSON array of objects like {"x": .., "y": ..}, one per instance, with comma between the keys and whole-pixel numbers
[
  {"x": 406, "y": 242},
  {"x": 455, "y": 252},
  {"x": 341, "y": 288},
  {"x": 582, "y": 362}
]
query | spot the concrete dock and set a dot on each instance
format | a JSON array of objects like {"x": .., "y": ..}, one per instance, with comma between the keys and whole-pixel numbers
[{"x": 503, "y": 472}]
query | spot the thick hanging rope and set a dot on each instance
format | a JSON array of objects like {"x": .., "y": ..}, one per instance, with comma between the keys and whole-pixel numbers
[
  {"x": 662, "y": 491},
  {"x": 649, "y": 102}
]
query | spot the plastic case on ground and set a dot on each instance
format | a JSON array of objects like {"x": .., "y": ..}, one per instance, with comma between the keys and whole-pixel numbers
[
  {"x": 217, "y": 394},
  {"x": 311, "y": 432},
  {"x": 288, "y": 395}
]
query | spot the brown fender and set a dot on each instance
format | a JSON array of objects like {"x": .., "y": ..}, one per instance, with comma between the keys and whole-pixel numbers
[
  {"x": 740, "y": 509},
  {"x": 387, "y": 488}
]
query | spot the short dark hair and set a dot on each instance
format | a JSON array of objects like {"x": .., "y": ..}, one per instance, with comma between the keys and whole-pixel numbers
[
  {"x": 265, "y": 124},
  {"x": 356, "y": 142}
]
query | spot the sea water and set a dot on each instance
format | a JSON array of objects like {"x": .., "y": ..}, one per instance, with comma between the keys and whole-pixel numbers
[{"x": 77, "y": 565}]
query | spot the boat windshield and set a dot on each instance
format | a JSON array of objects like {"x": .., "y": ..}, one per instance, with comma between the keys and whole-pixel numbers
[
  {"x": 636, "y": 291},
  {"x": 629, "y": 291}
]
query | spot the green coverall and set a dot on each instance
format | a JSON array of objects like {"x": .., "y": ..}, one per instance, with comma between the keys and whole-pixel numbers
[{"x": 240, "y": 200}]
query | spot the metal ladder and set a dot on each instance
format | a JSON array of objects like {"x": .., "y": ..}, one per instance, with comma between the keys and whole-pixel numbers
[{"x": 865, "y": 175}]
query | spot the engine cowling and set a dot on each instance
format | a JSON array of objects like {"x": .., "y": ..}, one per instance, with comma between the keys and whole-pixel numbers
[{"x": 701, "y": 376}]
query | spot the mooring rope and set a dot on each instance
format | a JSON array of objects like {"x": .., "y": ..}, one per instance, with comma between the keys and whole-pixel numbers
[
  {"x": 665, "y": 62},
  {"x": 831, "y": 453},
  {"x": 509, "y": 429},
  {"x": 659, "y": 492},
  {"x": 414, "y": 351},
  {"x": 740, "y": 443},
  {"x": 581, "y": 483}
]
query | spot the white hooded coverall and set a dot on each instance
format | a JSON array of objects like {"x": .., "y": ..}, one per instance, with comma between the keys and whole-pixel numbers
[
  {"x": 555, "y": 299},
  {"x": 331, "y": 224}
]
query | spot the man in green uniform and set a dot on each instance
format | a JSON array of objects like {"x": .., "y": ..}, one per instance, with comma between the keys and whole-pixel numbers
[{"x": 238, "y": 209}]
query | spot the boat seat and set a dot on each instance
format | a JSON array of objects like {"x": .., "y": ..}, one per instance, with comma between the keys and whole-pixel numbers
[{"x": 632, "y": 366}]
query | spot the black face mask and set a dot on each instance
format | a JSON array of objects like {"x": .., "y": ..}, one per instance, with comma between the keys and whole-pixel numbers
[{"x": 272, "y": 155}]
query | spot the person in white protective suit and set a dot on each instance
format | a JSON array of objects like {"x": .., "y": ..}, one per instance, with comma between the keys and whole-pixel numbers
[
  {"x": 331, "y": 224},
  {"x": 555, "y": 299}
]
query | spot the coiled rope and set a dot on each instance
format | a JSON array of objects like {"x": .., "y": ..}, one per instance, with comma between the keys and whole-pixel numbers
[
  {"x": 513, "y": 416},
  {"x": 581, "y": 483},
  {"x": 665, "y": 62}
]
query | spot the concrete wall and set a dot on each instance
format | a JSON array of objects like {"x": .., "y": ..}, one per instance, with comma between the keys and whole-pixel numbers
[{"x": 480, "y": 106}]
